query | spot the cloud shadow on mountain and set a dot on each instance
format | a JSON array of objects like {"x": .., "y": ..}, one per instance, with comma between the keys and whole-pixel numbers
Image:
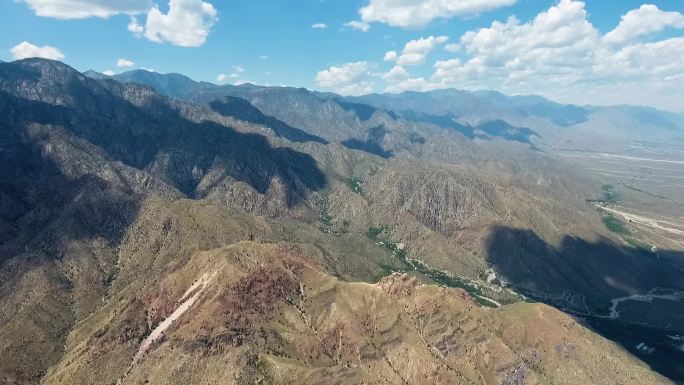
[
  {"x": 41, "y": 208},
  {"x": 601, "y": 269},
  {"x": 242, "y": 109},
  {"x": 152, "y": 136},
  {"x": 596, "y": 271},
  {"x": 372, "y": 144}
]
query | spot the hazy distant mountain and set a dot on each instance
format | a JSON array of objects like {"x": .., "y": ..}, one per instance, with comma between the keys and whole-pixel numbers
[
  {"x": 487, "y": 103},
  {"x": 278, "y": 235},
  {"x": 348, "y": 116},
  {"x": 479, "y": 114},
  {"x": 172, "y": 85}
]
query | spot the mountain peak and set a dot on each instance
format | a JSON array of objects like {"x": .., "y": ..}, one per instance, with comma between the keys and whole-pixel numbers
[
  {"x": 171, "y": 84},
  {"x": 44, "y": 80},
  {"x": 95, "y": 75}
]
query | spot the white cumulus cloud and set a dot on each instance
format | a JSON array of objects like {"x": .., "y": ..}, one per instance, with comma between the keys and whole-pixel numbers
[
  {"x": 396, "y": 74},
  {"x": 454, "y": 47},
  {"x": 358, "y": 25},
  {"x": 187, "y": 23},
  {"x": 124, "y": 63},
  {"x": 319, "y": 26},
  {"x": 411, "y": 84},
  {"x": 418, "y": 13},
  {"x": 390, "y": 56},
  {"x": 415, "y": 51},
  {"x": 135, "y": 27},
  {"x": 238, "y": 71},
  {"x": 26, "y": 50},
  {"x": 560, "y": 54},
  {"x": 347, "y": 79},
  {"x": 82, "y": 9},
  {"x": 643, "y": 21}
]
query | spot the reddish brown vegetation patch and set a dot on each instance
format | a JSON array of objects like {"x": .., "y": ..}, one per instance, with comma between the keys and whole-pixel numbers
[
  {"x": 217, "y": 340},
  {"x": 129, "y": 327},
  {"x": 259, "y": 292},
  {"x": 293, "y": 259},
  {"x": 244, "y": 310},
  {"x": 160, "y": 303},
  {"x": 340, "y": 344},
  {"x": 465, "y": 296},
  {"x": 399, "y": 284}
]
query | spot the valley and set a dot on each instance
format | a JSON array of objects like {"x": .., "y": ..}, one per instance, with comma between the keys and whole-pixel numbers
[
  {"x": 148, "y": 220},
  {"x": 648, "y": 180},
  {"x": 371, "y": 192},
  {"x": 644, "y": 200}
]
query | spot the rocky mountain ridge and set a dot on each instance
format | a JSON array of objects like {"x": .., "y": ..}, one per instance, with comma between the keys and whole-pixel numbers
[{"x": 117, "y": 204}]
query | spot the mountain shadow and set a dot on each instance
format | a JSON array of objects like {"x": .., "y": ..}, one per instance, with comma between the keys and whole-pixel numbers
[
  {"x": 598, "y": 270},
  {"x": 151, "y": 135},
  {"x": 501, "y": 129},
  {"x": 444, "y": 121},
  {"x": 582, "y": 277},
  {"x": 59, "y": 232},
  {"x": 487, "y": 130},
  {"x": 78, "y": 158},
  {"x": 363, "y": 111},
  {"x": 41, "y": 207},
  {"x": 243, "y": 157},
  {"x": 241, "y": 109},
  {"x": 373, "y": 143}
]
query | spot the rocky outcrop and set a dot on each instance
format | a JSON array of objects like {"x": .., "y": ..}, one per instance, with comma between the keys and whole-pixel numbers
[{"x": 271, "y": 315}]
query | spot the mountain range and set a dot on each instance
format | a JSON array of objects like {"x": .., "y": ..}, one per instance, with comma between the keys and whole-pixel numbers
[
  {"x": 154, "y": 229},
  {"x": 521, "y": 118}
]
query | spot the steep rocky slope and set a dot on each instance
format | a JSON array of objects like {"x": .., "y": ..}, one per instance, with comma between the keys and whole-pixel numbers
[
  {"x": 269, "y": 313},
  {"x": 447, "y": 191},
  {"x": 115, "y": 200}
]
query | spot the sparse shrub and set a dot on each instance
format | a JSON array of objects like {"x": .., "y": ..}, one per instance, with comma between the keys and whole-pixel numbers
[
  {"x": 615, "y": 225},
  {"x": 642, "y": 247},
  {"x": 374, "y": 232},
  {"x": 610, "y": 195},
  {"x": 355, "y": 185}
]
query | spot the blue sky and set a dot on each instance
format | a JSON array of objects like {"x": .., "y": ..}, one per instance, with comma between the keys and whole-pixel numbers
[{"x": 273, "y": 42}]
